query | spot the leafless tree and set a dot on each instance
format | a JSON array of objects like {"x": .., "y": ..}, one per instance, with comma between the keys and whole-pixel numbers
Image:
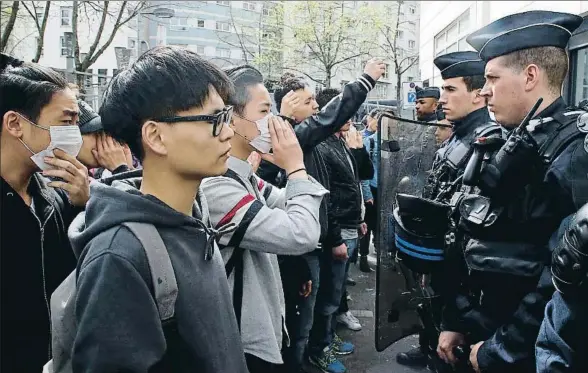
[
  {"x": 10, "y": 12},
  {"x": 326, "y": 36},
  {"x": 388, "y": 29},
  {"x": 32, "y": 8}
]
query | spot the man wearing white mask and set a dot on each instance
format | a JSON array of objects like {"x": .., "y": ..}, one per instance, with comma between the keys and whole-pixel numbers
[
  {"x": 269, "y": 221},
  {"x": 39, "y": 114}
]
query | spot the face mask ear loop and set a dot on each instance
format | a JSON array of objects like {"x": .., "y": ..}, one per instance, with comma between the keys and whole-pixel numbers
[{"x": 26, "y": 146}]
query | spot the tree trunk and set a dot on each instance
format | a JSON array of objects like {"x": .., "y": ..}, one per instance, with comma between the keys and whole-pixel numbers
[
  {"x": 9, "y": 26},
  {"x": 41, "y": 41},
  {"x": 398, "y": 85},
  {"x": 329, "y": 74}
]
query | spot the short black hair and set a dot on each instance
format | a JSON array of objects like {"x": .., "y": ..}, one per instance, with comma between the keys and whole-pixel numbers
[
  {"x": 288, "y": 83},
  {"x": 474, "y": 82},
  {"x": 162, "y": 82},
  {"x": 243, "y": 77},
  {"x": 325, "y": 96},
  {"x": 27, "y": 87}
]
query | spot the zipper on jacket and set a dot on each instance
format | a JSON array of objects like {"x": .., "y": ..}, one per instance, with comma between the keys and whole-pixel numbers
[{"x": 45, "y": 296}]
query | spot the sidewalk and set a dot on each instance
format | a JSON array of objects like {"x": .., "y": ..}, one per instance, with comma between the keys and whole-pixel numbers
[{"x": 366, "y": 359}]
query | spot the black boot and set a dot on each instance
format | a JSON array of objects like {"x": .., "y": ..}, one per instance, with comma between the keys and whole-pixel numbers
[
  {"x": 364, "y": 265},
  {"x": 412, "y": 358}
]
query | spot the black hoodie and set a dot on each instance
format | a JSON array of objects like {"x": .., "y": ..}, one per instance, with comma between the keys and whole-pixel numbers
[{"x": 118, "y": 323}]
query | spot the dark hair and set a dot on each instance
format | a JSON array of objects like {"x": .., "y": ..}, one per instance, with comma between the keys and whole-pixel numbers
[
  {"x": 289, "y": 82},
  {"x": 325, "y": 96},
  {"x": 162, "y": 82},
  {"x": 474, "y": 82},
  {"x": 27, "y": 87},
  {"x": 553, "y": 60},
  {"x": 243, "y": 77}
]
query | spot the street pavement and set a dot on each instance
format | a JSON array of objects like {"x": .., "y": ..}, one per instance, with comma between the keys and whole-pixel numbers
[{"x": 366, "y": 359}]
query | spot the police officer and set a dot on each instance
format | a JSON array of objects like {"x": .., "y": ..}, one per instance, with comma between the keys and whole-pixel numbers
[
  {"x": 463, "y": 78},
  {"x": 522, "y": 194},
  {"x": 426, "y": 103},
  {"x": 560, "y": 347}
]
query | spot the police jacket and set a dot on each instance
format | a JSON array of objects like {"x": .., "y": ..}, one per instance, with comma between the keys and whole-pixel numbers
[
  {"x": 508, "y": 281},
  {"x": 345, "y": 197},
  {"x": 36, "y": 258},
  {"x": 451, "y": 159},
  {"x": 311, "y": 132},
  {"x": 562, "y": 343}
]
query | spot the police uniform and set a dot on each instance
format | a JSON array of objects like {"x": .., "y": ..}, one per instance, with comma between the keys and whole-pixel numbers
[
  {"x": 560, "y": 346},
  {"x": 451, "y": 159},
  {"x": 448, "y": 167},
  {"x": 428, "y": 92},
  {"x": 535, "y": 180}
]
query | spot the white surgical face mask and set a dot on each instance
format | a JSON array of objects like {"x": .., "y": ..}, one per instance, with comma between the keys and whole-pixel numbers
[
  {"x": 263, "y": 141},
  {"x": 67, "y": 138}
]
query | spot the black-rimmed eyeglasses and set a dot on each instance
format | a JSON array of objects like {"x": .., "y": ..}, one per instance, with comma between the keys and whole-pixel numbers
[{"x": 218, "y": 120}]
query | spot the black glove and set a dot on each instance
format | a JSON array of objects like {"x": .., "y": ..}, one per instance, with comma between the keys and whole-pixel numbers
[{"x": 570, "y": 259}]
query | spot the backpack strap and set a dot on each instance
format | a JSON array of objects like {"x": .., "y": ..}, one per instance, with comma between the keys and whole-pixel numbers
[
  {"x": 163, "y": 277},
  {"x": 235, "y": 262}
]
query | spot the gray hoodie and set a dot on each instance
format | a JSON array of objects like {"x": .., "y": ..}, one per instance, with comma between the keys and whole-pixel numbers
[
  {"x": 281, "y": 221},
  {"x": 118, "y": 322}
]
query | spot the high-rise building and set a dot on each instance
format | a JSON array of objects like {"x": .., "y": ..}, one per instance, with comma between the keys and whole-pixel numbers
[{"x": 226, "y": 32}]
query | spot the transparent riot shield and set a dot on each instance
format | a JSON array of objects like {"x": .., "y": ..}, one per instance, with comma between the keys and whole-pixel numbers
[{"x": 407, "y": 150}]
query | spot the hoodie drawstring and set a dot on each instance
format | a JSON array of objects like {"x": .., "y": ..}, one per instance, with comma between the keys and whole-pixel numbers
[{"x": 215, "y": 235}]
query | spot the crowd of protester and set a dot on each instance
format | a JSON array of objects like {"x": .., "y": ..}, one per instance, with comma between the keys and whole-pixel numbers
[
  {"x": 185, "y": 228},
  {"x": 285, "y": 238}
]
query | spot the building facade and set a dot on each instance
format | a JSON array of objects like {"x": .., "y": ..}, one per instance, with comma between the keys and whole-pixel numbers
[
  {"x": 446, "y": 24},
  {"x": 226, "y": 32}
]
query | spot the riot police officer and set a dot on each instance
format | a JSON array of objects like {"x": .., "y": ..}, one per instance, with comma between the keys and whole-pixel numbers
[
  {"x": 560, "y": 348},
  {"x": 426, "y": 103},
  {"x": 463, "y": 78},
  {"x": 521, "y": 193}
]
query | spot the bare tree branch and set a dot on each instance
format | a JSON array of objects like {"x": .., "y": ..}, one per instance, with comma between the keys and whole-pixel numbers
[{"x": 9, "y": 25}]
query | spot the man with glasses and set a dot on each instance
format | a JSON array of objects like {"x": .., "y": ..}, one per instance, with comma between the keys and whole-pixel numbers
[
  {"x": 270, "y": 221},
  {"x": 176, "y": 122}
]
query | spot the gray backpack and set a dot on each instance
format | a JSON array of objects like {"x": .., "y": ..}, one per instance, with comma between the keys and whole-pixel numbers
[{"x": 63, "y": 324}]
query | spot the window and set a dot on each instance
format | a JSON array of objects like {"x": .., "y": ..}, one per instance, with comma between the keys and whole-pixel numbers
[
  {"x": 223, "y": 26},
  {"x": 249, "y": 5},
  {"x": 410, "y": 78},
  {"x": 200, "y": 23},
  {"x": 132, "y": 44},
  {"x": 102, "y": 73},
  {"x": 411, "y": 44},
  {"x": 580, "y": 72},
  {"x": 399, "y": 34},
  {"x": 412, "y": 10},
  {"x": 224, "y": 3},
  {"x": 380, "y": 90},
  {"x": 452, "y": 38},
  {"x": 64, "y": 48},
  {"x": 223, "y": 53},
  {"x": 265, "y": 11},
  {"x": 66, "y": 13},
  {"x": 386, "y": 72},
  {"x": 180, "y": 24}
]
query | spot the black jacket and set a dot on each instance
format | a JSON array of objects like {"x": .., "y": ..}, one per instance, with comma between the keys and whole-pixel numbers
[
  {"x": 311, "y": 132},
  {"x": 36, "y": 258},
  {"x": 508, "y": 279},
  {"x": 345, "y": 198}
]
